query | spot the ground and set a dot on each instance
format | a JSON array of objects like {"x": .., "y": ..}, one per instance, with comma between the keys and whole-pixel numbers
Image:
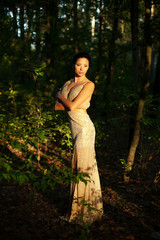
[{"x": 131, "y": 211}]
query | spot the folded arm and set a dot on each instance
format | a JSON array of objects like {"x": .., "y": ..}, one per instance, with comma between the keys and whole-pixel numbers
[
  {"x": 59, "y": 106},
  {"x": 86, "y": 92}
]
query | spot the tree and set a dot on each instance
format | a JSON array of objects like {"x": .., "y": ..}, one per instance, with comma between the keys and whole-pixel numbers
[
  {"x": 156, "y": 88},
  {"x": 112, "y": 42},
  {"x": 38, "y": 31},
  {"x": 22, "y": 20},
  {"x": 75, "y": 25},
  {"x": 14, "y": 12},
  {"x": 100, "y": 29},
  {"x": 134, "y": 12},
  {"x": 146, "y": 65},
  {"x": 135, "y": 44}
]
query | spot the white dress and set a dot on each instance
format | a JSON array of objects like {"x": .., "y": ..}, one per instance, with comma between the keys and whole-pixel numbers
[{"x": 87, "y": 205}]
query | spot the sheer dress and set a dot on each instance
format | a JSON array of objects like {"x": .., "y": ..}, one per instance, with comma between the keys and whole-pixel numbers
[{"x": 87, "y": 205}]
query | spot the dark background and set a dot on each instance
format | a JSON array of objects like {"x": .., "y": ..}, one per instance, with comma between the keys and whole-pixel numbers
[{"x": 37, "y": 43}]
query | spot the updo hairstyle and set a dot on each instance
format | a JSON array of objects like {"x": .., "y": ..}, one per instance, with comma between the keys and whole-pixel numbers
[{"x": 81, "y": 55}]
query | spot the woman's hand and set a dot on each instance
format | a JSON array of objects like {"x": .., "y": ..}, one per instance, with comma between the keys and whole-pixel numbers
[
  {"x": 59, "y": 105},
  {"x": 58, "y": 93}
]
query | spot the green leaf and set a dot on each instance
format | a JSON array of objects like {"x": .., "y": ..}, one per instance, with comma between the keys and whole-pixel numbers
[
  {"x": 41, "y": 136},
  {"x": 19, "y": 146},
  {"x": 50, "y": 117},
  {"x": 22, "y": 178},
  {"x": 65, "y": 174},
  {"x": 36, "y": 144},
  {"x": 6, "y": 176}
]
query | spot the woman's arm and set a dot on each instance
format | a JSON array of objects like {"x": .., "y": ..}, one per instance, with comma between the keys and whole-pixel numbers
[
  {"x": 86, "y": 92},
  {"x": 59, "y": 106}
]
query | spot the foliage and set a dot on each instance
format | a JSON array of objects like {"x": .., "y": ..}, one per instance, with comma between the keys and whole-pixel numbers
[
  {"x": 36, "y": 48},
  {"x": 37, "y": 42},
  {"x": 31, "y": 131},
  {"x": 124, "y": 165},
  {"x": 157, "y": 177},
  {"x": 83, "y": 232},
  {"x": 40, "y": 178}
]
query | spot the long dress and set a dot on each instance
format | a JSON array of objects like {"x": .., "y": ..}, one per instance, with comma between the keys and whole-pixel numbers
[{"x": 87, "y": 205}]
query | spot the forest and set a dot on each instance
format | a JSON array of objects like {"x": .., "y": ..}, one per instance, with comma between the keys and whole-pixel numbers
[{"x": 37, "y": 43}]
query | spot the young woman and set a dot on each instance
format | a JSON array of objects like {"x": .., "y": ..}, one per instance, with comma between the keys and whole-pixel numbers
[{"x": 75, "y": 98}]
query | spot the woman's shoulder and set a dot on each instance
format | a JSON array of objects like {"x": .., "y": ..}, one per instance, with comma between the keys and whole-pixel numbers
[
  {"x": 89, "y": 82},
  {"x": 66, "y": 83},
  {"x": 69, "y": 81}
]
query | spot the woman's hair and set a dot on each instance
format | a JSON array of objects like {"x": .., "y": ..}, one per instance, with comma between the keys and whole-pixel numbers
[{"x": 81, "y": 55}]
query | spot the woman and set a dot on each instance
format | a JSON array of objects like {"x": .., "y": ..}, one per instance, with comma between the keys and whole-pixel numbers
[{"x": 75, "y": 97}]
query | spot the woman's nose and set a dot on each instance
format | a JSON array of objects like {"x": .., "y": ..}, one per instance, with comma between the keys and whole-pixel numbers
[{"x": 81, "y": 68}]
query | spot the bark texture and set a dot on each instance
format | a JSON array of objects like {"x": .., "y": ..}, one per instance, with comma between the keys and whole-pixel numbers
[{"x": 146, "y": 64}]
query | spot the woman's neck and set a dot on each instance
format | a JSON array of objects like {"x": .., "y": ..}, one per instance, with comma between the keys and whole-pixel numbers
[{"x": 79, "y": 79}]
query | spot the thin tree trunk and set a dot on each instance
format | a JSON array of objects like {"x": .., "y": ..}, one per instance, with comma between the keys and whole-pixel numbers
[
  {"x": 87, "y": 16},
  {"x": 146, "y": 64},
  {"x": 156, "y": 89},
  {"x": 54, "y": 33},
  {"x": 47, "y": 34},
  {"x": 15, "y": 27},
  {"x": 38, "y": 37},
  {"x": 135, "y": 47},
  {"x": 22, "y": 21},
  {"x": 93, "y": 22},
  {"x": 51, "y": 31},
  {"x": 111, "y": 55},
  {"x": 135, "y": 59},
  {"x": 75, "y": 25},
  {"x": 29, "y": 19},
  {"x": 93, "y": 29},
  {"x": 100, "y": 29}
]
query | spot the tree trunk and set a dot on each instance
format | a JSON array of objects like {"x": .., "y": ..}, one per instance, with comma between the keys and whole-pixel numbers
[
  {"x": 75, "y": 25},
  {"x": 100, "y": 30},
  {"x": 93, "y": 29},
  {"x": 135, "y": 47},
  {"x": 29, "y": 14},
  {"x": 87, "y": 23},
  {"x": 54, "y": 30},
  {"x": 47, "y": 33},
  {"x": 93, "y": 22},
  {"x": 22, "y": 21},
  {"x": 146, "y": 64},
  {"x": 156, "y": 89},
  {"x": 38, "y": 34},
  {"x": 111, "y": 55},
  {"x": 51, "y": 31},
  {"x": 15, "y": 27},
  {"x": 135, "y": 59},
  {"x": 3, "y": 9}
]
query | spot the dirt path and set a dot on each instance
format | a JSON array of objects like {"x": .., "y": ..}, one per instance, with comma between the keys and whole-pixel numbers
[{"x": 132, "y": 212}]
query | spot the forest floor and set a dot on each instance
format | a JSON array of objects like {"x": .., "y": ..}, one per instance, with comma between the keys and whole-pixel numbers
[{"x": 131, "y": 211}]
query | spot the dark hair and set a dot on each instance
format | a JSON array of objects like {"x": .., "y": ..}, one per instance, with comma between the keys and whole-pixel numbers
[{"x": 81, "y": 55}]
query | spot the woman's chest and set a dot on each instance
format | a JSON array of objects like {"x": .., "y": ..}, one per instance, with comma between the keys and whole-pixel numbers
[{"x": 71, "y": 90}]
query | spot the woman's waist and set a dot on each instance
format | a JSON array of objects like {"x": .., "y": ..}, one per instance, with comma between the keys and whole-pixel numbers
[{"x": 80, "y": 110}]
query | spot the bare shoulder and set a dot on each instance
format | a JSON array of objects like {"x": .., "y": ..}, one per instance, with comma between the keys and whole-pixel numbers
[
  {"x": 90, "y": 84},
  {"x": 89, "y": 87},
  {"x": 67, "y": 83}
]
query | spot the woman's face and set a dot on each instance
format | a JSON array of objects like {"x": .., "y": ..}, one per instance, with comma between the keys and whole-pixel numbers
[{"x": 81, "y": 67}]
